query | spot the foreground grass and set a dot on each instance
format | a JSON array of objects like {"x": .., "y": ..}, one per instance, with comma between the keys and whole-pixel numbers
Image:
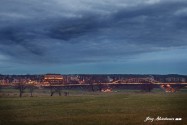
[{"x": 94, "y": 109}]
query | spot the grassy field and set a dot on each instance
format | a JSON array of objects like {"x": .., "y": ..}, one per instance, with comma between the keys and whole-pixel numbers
[{"x": 89, "y": 108}]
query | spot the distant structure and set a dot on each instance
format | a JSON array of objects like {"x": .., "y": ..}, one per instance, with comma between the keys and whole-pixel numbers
[{"x": 53, "y": 79}]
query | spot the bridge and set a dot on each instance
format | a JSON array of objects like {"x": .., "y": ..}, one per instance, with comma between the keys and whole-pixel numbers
[
  {"x": 145, "y": 83},
  {"x": 167, "y": 87}
]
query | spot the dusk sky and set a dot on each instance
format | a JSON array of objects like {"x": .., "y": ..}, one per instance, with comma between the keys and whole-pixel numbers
[{"x": 93, "y": 36}]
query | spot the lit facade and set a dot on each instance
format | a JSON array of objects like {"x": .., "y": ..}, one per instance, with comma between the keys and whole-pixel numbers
[{"x": 53, "y": 79}]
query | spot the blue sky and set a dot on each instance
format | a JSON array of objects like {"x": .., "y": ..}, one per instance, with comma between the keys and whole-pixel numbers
[{"x": 100, "y": 36}]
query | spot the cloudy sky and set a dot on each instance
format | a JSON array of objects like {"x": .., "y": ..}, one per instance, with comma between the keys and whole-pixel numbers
[{"x": 93, "y": 36}]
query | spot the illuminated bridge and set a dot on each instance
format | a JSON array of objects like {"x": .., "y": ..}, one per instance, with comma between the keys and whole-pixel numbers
[{"x": 167, "y": 87}]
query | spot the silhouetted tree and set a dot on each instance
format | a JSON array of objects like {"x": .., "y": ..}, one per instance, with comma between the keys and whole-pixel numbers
[
  {"x": 54, "y": 89},
  {"x": 100, "y": 87},
  {"x": 51, "y": 90},
  {"x": 147, "y": 87},
  {"x": 66, "y": 93},
  {"x": 21, "y": 87},
  {"x": 31, "y": 88},
  {"x": 0, "y": 87}
]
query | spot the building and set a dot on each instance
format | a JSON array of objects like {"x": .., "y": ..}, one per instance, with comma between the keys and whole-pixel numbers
[{"x": 53, "y": 79}]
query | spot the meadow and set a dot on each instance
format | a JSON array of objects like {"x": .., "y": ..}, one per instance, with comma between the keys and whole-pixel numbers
[{"x": 94, "y": 108}]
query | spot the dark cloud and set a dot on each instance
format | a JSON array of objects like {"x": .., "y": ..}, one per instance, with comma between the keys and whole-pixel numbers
[
  {"x": 17, "y": 42},
  {"x": 43, "y": 33},
  {"x": 76, "y": 28},
  {"x": 153, "y": 24}
]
